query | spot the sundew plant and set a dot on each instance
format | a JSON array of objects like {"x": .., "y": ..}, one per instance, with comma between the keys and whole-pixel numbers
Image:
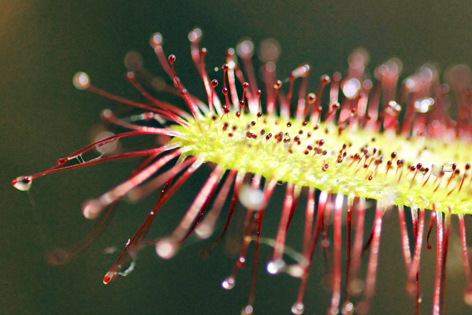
[{"x": 359, "y": 139}]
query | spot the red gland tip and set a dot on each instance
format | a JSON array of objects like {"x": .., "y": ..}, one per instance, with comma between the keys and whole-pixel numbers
[
  {"x": 107, "y": 278},
  {"x": 325, "y": 79}
]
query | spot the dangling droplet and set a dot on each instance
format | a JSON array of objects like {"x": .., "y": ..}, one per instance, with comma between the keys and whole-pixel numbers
[
  {"x": 298, "y": 308},
  {"x": 228, "y": 283},
  {"x": 274, "y": 267},
  {"x": 248, "y": 310},
  {"x": 348, "y": 308},
  {"x": 468, "y": 295},
  {"x": 251, "y": 198},
  {"x": 91, "y": 209},
  {"x": 204, "y": 230},
  {"x": 81, "y": 81},
  {"x": 22, "y": 183},
  {"x": 166, "y": 249}
]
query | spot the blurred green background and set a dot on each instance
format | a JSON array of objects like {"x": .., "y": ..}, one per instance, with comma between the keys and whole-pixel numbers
[{"x": 43, "y": 117}]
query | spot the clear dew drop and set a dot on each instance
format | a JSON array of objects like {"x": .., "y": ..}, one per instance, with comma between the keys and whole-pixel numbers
[
  {"x": 274, "y": 267},
  {"x": 81, "y": 81},
  {"x": 298, "y": 308},
  {"x": 91, "y": 209},
  {"x": 351, "y": 88},
  {"x": 109, "y": 147},
  {"x": 133, "y": 61},
  {"x": 166, "y": 249},
  {"x": 251, "y": 198},
  {"x": 423, "y": 105},
  {"x": 357, "y": 286},
  {"x": 468, "y": 295},
  {"x": 156, "y": 39},
  {"x": 228, "y": 283},
  {"x": 110, "y": 250},
  {"x": 204, "y": 231},
  {"x": 296, "y": 271},
  {"x": 195, "y": 35},
  {"x": 22, "y": 183},
  {"x": 107, "y": 114},
  {"x": 348, "y": 308},
  {"x": 245, "y": 49},
  {"x": 248, "y": 310},
  {"x": 269, "y": 50}
]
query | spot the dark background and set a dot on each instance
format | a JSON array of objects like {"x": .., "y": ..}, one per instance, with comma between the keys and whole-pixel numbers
[{"x": 43, "y": 117}]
